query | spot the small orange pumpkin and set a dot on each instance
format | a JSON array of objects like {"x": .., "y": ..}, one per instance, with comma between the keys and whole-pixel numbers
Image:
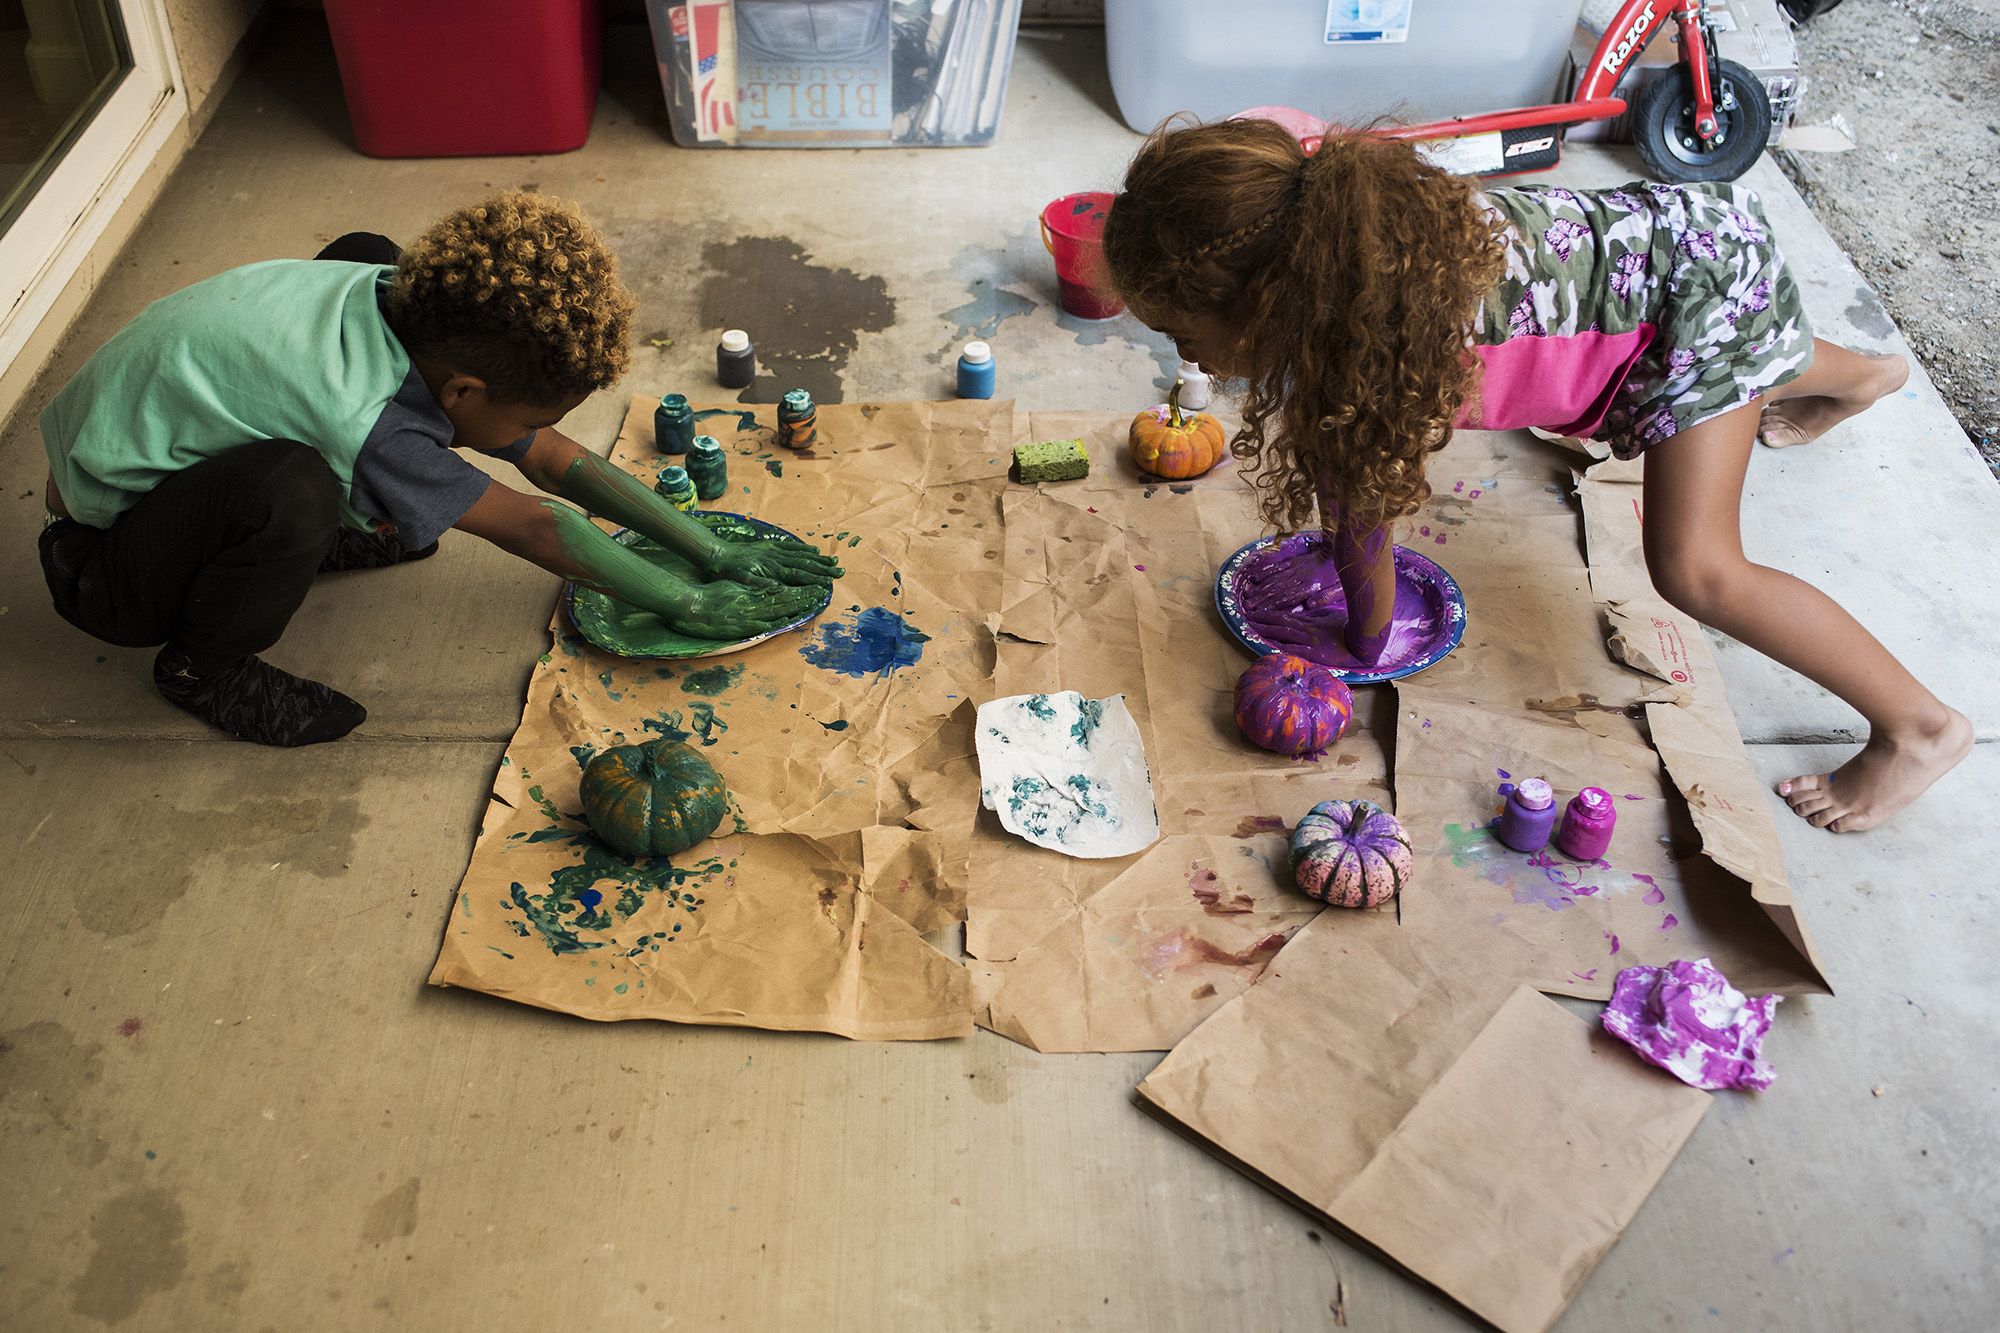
[{"x": 1168, "y": 442}]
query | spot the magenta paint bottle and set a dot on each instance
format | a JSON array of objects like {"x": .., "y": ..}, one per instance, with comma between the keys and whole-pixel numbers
[
  {"x": 1587, "y": 824},
  {"x": 1529, "y": 817}
]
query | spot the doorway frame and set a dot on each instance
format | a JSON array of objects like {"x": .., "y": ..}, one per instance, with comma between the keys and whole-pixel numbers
[{"x": 46, "y": 256}]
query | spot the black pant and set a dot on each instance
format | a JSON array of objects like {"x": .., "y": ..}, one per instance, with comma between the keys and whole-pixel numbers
[{"x": 215, "y": 559}]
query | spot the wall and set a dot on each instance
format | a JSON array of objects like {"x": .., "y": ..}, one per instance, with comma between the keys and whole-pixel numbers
[{"x": 209, "y": 37}]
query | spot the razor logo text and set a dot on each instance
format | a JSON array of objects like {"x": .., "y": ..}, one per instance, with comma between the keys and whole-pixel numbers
[{"x": 1634, "y": 38}]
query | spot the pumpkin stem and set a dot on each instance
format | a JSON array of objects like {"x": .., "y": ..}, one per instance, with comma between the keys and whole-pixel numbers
[
  {"x": 649, "y": 762},
  {"x": 1174, "y": 404}
]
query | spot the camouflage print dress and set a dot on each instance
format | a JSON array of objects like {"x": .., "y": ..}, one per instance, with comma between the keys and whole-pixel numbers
[{"x": 1632, "y": 314}]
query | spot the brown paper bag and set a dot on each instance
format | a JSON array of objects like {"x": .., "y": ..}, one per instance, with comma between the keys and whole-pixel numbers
[{"x": 1468, "y": 1129}]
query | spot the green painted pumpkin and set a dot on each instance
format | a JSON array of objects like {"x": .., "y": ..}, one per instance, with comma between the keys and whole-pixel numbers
[
  {"x": 1351, "y": 854},
  {"x": 652, "y": 799}
]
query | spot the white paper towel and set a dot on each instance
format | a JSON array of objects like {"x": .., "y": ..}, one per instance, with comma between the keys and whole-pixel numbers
[{"x": 1067, "y": 773}]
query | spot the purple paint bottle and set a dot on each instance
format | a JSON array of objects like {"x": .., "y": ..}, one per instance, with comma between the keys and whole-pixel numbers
[
  {"x": 1587, "y": 824},
  {"x": 1530, "y": 816}
]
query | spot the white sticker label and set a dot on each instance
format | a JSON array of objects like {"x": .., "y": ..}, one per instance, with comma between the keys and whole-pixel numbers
[
  {"x": 1466, "y": 156},
  {"x": 1368, "y": 20}
]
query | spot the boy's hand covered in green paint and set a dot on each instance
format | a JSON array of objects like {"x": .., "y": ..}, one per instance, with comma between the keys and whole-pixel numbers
[
  {"x": 763, "y": 563},
  {"x": 727, "y": 610}
]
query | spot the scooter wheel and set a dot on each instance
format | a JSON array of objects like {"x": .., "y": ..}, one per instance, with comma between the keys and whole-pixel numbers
[{"x": 1663, "y": 125}]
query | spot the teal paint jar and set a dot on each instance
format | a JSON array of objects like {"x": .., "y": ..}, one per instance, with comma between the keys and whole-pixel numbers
[
  {"x": 707, "y": 467},
  {"x": 676, "y": 487},
  {"x": 673, "y": 424}
]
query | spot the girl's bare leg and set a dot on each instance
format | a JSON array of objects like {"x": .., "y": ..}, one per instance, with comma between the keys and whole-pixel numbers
[
  {"x": 1694, "y": 551},
  {"x": 1838, "y": 384}
]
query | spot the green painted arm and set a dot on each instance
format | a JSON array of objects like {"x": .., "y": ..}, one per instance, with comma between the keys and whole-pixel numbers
[
  {"x": 720, "y": 610},
  {"x": 605, "y": 489}
]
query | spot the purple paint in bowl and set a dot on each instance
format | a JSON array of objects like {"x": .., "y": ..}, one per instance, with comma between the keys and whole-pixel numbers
[{"x": 1283, "y": 596}]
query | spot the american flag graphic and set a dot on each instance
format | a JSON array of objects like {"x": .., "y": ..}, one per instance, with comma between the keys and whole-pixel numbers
[{"x": 713, "y": 31}]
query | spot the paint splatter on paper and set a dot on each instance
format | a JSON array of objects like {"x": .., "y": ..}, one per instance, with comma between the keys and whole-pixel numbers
[{"x": 875, "y": 641}]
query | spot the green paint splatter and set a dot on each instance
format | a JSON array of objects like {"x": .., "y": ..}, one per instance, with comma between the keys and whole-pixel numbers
[
  {"x": 705, "y": 723},
  {"x": 667, "y": 724},
  {"x": 619, "y": 988},
  {"x": 1039, "y": 705},
  {"x": 502, "y": 952},
  {"x": 583, "y": 754},
  {"x": 574, "y": 902},
  {"x": 774, "y": 466},
  {"x": 714, "y": 680},
  {"x": 465, "y": 903}
]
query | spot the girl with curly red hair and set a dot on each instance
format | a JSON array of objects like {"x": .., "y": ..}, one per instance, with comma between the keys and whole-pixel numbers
[{"x": 1371, "y": 302}]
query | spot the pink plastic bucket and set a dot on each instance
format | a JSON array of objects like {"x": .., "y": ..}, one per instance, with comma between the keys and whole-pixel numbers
[{"x": 1073, "y": 230}]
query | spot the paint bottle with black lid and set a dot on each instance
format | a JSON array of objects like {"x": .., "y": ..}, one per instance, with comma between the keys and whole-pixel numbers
[{"x": 735, "y": 360}]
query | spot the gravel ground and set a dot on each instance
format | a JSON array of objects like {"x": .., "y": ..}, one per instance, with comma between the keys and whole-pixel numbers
[{"x": 1917, "y": 84}]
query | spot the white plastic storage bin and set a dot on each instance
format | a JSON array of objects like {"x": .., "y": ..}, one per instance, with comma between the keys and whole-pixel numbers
[
  {"x": 833, "y": 73},
  {"x": 1345, "y": 61}
]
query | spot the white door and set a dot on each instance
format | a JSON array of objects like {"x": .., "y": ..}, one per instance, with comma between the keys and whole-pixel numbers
[{"x": 89, "y": 96}]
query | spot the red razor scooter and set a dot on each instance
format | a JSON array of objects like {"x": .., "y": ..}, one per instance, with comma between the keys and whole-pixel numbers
[{"x": 1707, "y": 119}]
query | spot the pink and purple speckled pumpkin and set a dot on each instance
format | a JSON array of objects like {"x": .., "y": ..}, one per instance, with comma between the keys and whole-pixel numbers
[
  {"x": 1350, "y": 854},
  {"x": 1292, "y": 706}
]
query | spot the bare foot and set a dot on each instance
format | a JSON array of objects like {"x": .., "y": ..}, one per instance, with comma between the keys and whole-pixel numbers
[
  {"x": 1886, "y": 776},
  {"x": 1791, "y": 421}
]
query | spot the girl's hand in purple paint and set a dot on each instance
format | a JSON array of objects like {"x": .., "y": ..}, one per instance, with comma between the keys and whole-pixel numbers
[
  {"x": 729, "y": 611},
  {"x": 764, "y": 564}
]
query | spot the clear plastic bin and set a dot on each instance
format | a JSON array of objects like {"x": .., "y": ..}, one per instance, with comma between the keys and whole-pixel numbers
[
  {"x": 834, "y": 73},
  {"x": 1345, "y": 61}
]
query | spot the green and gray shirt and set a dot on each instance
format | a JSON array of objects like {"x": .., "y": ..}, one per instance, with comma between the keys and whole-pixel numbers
[{"x": 289, "y": 349}]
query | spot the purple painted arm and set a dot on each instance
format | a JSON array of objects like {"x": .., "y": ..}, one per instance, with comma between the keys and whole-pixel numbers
[{"x": 1365, "y": 562}]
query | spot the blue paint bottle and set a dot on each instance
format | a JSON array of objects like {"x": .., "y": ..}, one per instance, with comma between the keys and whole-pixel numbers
[
  {"x": 735, "y": 360},
  {"x": 975, "y": 371},
  {"x": 673, "y": 424},
  {"x": 1529, "y": 817},
  {"x": 708, "y": 467}
]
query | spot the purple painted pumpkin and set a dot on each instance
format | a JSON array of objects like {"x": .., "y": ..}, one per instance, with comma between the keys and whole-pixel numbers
[
  {"x": 1292, "y": 706},
  {"x": 1351, "y": 854}
]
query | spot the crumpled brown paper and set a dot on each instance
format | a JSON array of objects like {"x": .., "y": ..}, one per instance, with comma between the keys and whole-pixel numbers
[
  {"x": 853, "y": 790},
  {"x": 1466, "y": 1128},
  {"x": 1182, "y": 930}
]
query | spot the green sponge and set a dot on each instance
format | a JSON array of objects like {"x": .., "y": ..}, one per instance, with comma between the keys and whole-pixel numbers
[{"x": 1052, "y": 460}]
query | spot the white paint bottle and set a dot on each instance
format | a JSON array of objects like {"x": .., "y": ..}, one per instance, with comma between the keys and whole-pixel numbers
[{"x": 1195, "y": 389}]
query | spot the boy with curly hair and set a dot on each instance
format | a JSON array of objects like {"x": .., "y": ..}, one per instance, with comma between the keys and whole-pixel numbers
[{"x": 293, "y": 417}]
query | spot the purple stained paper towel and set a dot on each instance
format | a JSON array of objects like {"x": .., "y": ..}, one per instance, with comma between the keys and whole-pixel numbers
[{"x": 1687, "y": 1019}]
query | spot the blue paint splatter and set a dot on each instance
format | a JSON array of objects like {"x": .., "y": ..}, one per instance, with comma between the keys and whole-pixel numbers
[
  {"x": 876, "y": 641},
  {"x": 589, "y": 898}
]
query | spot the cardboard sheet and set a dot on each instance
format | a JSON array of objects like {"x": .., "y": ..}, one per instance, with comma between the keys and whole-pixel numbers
[
  {"x": 853, "y": 778},
  {"x": 1468, "y": 1129}
]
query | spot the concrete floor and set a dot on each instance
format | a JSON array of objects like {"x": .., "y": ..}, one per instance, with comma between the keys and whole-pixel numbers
[{"x": 227, "y": 1100}]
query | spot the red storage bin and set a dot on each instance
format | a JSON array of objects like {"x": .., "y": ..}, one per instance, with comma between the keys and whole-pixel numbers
[{"x": 461, "y": 78}]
